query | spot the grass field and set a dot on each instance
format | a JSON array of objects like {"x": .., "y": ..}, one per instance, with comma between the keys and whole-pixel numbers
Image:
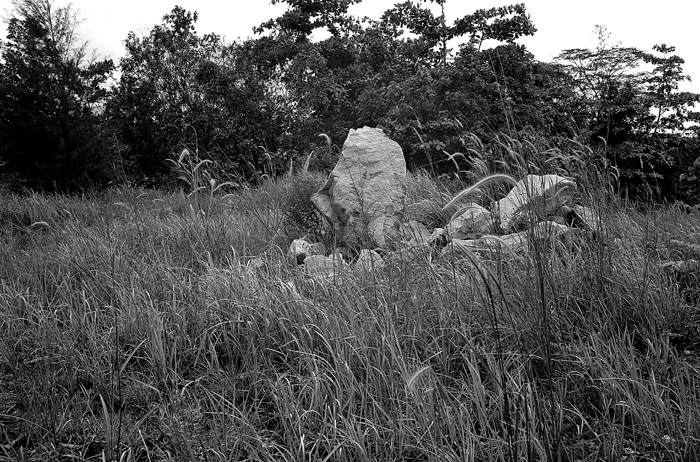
[{"x": 133, "y": 327}]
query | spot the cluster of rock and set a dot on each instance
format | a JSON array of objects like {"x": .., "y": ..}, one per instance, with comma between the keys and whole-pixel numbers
[
  {"x": 364, "y": 200},
  {"x": 538, "y": 207}
]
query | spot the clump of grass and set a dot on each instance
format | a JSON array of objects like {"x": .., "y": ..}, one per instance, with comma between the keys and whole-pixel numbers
[{"x": 301, "y": 219}]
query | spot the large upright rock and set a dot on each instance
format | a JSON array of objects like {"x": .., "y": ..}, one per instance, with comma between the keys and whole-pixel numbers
[
  {"x": 367, "y": 182},
  {"x": 539, "y": 194}
]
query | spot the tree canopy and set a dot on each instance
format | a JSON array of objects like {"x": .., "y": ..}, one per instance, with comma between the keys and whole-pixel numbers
[
  {"x": 257, "y": 106},
  {"x": 50, "y": 100}
]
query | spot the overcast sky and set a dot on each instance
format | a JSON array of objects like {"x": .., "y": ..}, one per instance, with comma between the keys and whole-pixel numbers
[{"x": 561, "y": 24}]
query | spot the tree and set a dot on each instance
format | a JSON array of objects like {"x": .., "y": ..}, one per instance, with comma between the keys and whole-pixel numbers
[
  {"x": 180, "y": 89},
  {"x": 640, "y": 119},
  {"x": 372, "y": 73},
  {"x": 606, "y": 81},
  {"x": 304, "y": 16},
  {"x": 50, "y": 100},
  {"x": 672, "y": 123},
  {"x": 674, "y": 109},
  {"x": 426, "y": 97}
]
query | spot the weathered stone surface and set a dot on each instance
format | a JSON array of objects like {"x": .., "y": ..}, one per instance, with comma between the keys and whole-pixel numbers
[
  {"x": 320, "y": 265},
  {"x": 300, "y": 249},
  {"x": 368, "y": 261},
  {"x": 586, "y": 218},
  {"x": 539, "y": 194},
  {"x": 474, "y": 222},
  {"x": 563, "y": 215},
  {"x": 550, "y": 232},
  {"x": 368, "y": 180},
  {"x": 438, "y": 238},
  {"x": 558, "y": 219},
  {"x": 384, "y": 231},
  {"x": 415, "y": 231},
  {"x": 517, "y": 242},
  {"x": 340, "y": 252}
]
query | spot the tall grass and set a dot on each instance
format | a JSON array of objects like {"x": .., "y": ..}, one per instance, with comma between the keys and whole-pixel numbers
[{"x": 132, "y": 328}]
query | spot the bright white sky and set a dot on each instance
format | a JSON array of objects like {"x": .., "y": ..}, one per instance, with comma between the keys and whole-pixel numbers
[{"x": 561, "y": 24}]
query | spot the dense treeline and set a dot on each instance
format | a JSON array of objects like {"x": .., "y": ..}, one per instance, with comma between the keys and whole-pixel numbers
[{"x": 257, "y": 106}]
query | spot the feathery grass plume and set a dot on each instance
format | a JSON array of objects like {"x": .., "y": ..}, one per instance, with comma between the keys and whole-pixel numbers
[
  {"x": 327, "y": 139},
  {"x": 305, "y": 168},
  {"x": 452, "y": 158},
  {"x": 185, "y": 153},
  {"x": 476, "y": 187},
  {"x": 694, "y": 249},
  {"x": 37, "y": 224}
]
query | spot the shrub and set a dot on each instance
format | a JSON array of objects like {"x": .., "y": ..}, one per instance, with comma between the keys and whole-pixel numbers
[{"x": 300, "y": 215}]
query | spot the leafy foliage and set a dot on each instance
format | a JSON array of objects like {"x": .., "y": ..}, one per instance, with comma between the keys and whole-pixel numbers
[
  {"x": 304, "y": 16},
  {"x": 175, "y": 85},
  {"x": 373, "y": 74},
  {"x": 301, "y": 219},
  {"x": 50, "y": 101},
  {"x": 640, "y": 119}
]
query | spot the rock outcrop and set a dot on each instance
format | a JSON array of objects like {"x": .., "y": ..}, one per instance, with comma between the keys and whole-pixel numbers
[
  {"x": 364, "y": 195},
  {"x": 367, "y": 182}
]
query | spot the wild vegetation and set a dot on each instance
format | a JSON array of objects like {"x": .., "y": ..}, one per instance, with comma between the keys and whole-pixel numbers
[
  {"x": 159, "y": 317},
  {"x": 140, "y": 325}
]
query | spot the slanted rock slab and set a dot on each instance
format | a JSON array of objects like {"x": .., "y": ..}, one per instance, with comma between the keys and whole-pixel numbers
[
  {"x": 586, "y": 218},
  {"x": 539, "y": 194},
  {"x": 546, "y": 232},
  {"x": 516, "y": 242}
]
